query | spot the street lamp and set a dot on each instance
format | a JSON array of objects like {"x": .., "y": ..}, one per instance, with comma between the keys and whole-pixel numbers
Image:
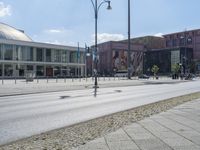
[
  {"x": 129, "y": 41},
  {"x": 184, "y": 58},
  {"x": 96, "y": 7}
]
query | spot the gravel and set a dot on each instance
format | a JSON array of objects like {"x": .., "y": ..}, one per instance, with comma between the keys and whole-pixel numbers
[{"x": 79, "y": 134}]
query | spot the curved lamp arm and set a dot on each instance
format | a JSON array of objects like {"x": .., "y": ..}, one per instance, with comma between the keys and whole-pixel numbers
[{"x": 96, "y": 8}]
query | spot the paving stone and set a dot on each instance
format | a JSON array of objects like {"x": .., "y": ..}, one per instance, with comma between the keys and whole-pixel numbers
[
  {"x": 135, "y": 128},
  {"x": 173, "y": 125},
  {"x": 153, "y": 125},
  {"x": 184, "y": 121},
  {"x": 117, "y": 136},
  {"x": 191, "y": 147},
  {"x": 152, "y": 144},
  {"x": 140, "y": 136},
  {"x": 122, "y": 145},
  {"x": 193, "y": 117},
  {"x": 177, "y": 141},
  {"x": 166, "y": 134},
  {"x": 195, "y": 139}
]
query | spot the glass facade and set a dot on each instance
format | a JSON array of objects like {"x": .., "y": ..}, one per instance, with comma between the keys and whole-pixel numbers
[
  {"x": 39, "y": 60},
  {"x": 57, "y": 55},
  {"x": 64, "y": 56},
  {"x": 57, "y": 71},
  {"x": 1, "y": 52},
  {"x": 29, "y": 67},
  {"x": 1, "y": 71},
  {"x": 82, "y": 58},
  {"x": 22, "y": 69},
  {"x": 39, "y": 54},
  {"x": 24, "y": 53},
  {"x": 40, "y": 71},
  {"x": 165, "y": 59},
  {"x": 73, "y": 57},
  {"x": 8, "y": 52},
  {"x": 48, "y": 55},
  {"x": 8, "y": 70},
  {"x": 160, "y": 58}
]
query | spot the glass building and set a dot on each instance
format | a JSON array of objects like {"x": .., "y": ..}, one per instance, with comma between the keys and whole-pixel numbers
[
  {"x": 19, "y": 55},
  {"x": 166, "y": 58}
]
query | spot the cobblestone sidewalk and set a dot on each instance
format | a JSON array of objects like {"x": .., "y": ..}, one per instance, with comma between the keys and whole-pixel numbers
[{"x": 176, "y": 129}]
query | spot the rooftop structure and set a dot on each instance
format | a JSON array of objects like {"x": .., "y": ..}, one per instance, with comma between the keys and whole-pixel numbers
[{"x": 10, "y": 33}]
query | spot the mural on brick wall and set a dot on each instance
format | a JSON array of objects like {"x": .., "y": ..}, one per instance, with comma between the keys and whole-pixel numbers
[{"x": 119, "y": 60}]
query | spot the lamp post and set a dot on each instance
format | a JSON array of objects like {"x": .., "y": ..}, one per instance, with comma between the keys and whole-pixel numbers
[
  {"x": 184, "y": 58},
  {"x": 129, "y": 41},
  {"x": 96, "y": 7}
]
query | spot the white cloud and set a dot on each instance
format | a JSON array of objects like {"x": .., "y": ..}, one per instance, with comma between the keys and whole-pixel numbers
[
  {"x": 104, "y": 37},
  {"x": 58, "y": 36},
  {"x": 54, "y": 31},
  {"x": 159, "y": 34},
  {"x": 5, "y": 10},
  {"x": 57, "y": 31},
  {"x": 61, "y": 42}
]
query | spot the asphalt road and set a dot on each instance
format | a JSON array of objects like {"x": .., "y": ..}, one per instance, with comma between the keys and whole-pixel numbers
[{"x": 25, "y": 115}]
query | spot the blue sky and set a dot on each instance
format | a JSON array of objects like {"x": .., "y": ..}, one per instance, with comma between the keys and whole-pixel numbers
[{"x": 71, "y": 21}]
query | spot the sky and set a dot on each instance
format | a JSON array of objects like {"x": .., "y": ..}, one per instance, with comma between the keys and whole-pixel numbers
[{"x": 68, "y": 22}]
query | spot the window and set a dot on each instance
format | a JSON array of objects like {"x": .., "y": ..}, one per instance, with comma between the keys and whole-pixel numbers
[
  {"x": 189, "y": 40},
  {"x": 64, "y": 56},
  {"x": 40, "y": 71},
  {"x": 174, "y": 42},
  {"x": 29, "y": 53},
  {"x": 168, "y": 43},
  {"x": 24, "y": 53},
  {"x": 57, "y": 56},
  {"x": 8, "y": 70},
  {"x": 8, "y": 53},
  {"x": 182, "y": 41},
  {"x": 1, "y": 53},
  {"x": 73, "y": 57},
  {"x": 1, "y": 72},
  {"x": 29, "y": 67},
  {"x": 39, "y": 54},
  {"x": 48, "y": 55},
  {"x": 57, "y": 71},
  {"x": 22, "y": 69},
  {"x": 82, "y": 57}
]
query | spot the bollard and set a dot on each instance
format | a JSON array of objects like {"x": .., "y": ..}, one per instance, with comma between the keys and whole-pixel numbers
[
  {"x": 65, "y": 80},
  {"x": 47, "y": 79},
  {"x": 15, "y": 81},
  {"x": 2, "y": 81},
  {"x": 56, "y": 79},
  {"x": 37, "y": 80}
]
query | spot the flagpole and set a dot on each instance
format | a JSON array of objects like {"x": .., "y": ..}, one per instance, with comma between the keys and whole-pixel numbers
[
  {"x": 78, "y": 57},
  {"x": 85, "y": 60}
]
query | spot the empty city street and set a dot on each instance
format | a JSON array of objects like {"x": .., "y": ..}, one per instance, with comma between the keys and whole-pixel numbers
[{"x": 25, "y": 115}]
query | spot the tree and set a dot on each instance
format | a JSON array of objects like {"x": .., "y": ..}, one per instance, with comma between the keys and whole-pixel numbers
[
  {"x": 155, "y": 69},
  {"x": 175, "y": 68}
]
